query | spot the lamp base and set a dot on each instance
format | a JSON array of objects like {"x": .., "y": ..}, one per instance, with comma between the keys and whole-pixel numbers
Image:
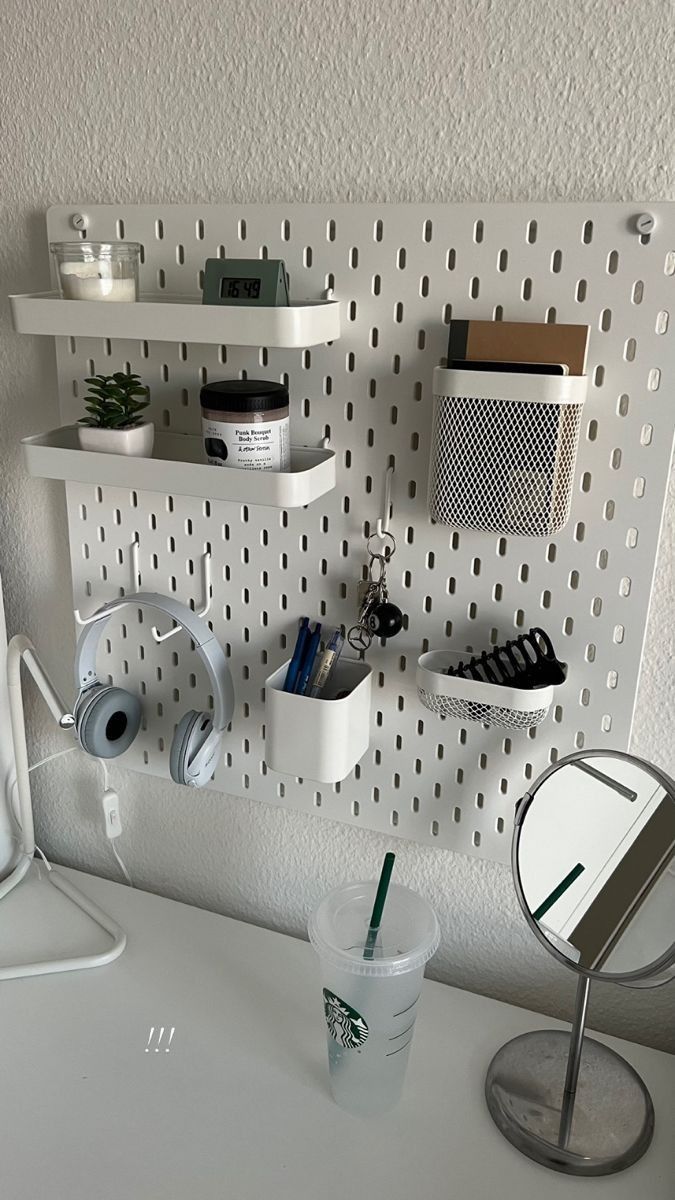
[{"x": 610, "y": 1120}]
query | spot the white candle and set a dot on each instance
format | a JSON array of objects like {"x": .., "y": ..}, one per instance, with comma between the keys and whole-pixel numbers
[{"x": 93, "y": 281}]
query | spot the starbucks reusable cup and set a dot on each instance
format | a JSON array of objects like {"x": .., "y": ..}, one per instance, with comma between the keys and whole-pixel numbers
[{"x": 370, "y": 1004}]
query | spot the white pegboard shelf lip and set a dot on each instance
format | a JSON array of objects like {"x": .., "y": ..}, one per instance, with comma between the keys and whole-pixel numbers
[
  {"x": 179, "y": 319},
  {"x": 177, "y": 468}
]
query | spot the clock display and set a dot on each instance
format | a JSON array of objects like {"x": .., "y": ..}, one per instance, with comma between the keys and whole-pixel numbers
[{"x": 239, "y": 289}]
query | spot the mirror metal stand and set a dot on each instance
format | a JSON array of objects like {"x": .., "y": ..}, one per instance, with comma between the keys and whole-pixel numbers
[{"x": 550, "y": 1101}]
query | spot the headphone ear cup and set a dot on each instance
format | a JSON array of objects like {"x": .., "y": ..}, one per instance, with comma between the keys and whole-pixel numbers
[
  {"x": 191, "y": 733},
  {"x": 107, "y": 720}
]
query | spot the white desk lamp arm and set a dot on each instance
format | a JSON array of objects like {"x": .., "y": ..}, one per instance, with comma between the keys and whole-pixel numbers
[{"x": 20, "y": 649}]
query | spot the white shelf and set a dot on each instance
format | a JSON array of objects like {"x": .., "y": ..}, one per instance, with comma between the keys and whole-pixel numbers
[
  {"x": 177, "y": 467},
  {"x": 179, "y": 319}
]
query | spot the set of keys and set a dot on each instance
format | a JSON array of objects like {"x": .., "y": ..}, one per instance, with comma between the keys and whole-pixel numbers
[{"x": 378, "y": 617}]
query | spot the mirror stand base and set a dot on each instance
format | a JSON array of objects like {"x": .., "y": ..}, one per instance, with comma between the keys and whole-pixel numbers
[{"x": 604, "y": 1127}]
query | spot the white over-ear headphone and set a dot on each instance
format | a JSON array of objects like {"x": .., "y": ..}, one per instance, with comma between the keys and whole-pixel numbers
[{"x": 107, "y": 718}]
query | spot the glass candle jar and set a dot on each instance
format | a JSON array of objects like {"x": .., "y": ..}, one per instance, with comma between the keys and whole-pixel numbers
[{"x": 97, "y": 270}]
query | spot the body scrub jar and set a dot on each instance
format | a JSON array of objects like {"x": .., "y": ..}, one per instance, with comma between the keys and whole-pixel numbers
[{"x": 245, "y": 424}]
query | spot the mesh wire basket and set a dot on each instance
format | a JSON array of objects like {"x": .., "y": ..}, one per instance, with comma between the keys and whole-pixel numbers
[
  {"x": 504, "y": 450},
  {"x": 470, "y": 700}
]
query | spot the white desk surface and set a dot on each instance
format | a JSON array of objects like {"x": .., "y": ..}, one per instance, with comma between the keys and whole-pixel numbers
[{"x": 239, "y": 1109}]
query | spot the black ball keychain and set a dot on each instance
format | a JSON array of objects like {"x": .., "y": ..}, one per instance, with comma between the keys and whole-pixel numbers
[{"x": 378, "y": 617}]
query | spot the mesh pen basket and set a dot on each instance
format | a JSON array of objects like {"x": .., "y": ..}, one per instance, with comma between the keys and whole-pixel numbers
[
  {"x": 504, "y": 450},
  {"x": 470, "y": 700}
]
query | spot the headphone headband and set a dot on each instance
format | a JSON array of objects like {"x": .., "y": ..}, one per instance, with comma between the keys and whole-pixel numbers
[{"x": 206, "y": 645}]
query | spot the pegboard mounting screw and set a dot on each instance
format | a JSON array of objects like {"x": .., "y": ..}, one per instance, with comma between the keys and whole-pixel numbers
[
  {"x": 645, "y": 223},
  {"x": 79, "y": 222}
]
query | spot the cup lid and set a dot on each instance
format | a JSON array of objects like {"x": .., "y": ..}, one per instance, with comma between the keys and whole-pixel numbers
[{"x": 408, "y": 936}]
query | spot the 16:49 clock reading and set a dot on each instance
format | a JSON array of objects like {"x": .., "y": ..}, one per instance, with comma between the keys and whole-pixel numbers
[{"x": 235, "y": 289}]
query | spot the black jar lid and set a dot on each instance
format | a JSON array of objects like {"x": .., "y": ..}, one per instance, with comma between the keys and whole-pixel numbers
[{"x": 244, "y": 395}]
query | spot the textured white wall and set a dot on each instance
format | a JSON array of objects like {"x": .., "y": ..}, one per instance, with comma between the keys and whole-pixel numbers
[{"x": 234, "y": 100}]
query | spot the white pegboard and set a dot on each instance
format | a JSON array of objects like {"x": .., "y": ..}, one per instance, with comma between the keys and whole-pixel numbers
[{"x": 400, "y": 271}]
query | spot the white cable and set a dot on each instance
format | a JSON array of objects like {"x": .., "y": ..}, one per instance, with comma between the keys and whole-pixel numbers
[
  {"x": 41, "y": 762},
  {"x": 120, "y": 861},
  {"x": 44, "y": 858},
  {"x": 123, "y": 869},
  {"x": 57, "y": 754},
  {"x": 106, "y": 783}
]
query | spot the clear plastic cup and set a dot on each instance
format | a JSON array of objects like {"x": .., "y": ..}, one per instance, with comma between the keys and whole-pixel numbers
[
  {"x": 370, "y": 1004},
  {"x": 97, "y": 270}
]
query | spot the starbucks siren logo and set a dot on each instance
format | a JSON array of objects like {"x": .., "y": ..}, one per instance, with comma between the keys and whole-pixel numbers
[{"x": 345, "y": 1025}]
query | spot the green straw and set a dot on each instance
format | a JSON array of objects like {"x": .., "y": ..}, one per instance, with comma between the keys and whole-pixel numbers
[{"x": 380, "y": 897}]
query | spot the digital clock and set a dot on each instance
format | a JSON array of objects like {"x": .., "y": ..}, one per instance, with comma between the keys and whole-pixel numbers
[{"x": 261, "y": 281}]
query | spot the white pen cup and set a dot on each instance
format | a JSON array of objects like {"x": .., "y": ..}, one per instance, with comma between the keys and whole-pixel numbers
[{"x": 370, "y": 1004}]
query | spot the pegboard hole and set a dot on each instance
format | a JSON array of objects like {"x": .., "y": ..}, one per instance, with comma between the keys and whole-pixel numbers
[
  {"x": 582, "y": 290},
  {"x": 587, "y": 233},
  {"x": 613, "y": 262},
  {"x": 503, "y": 261},
  {"x": 654, "y": 379},
  {"x": 662, "y": 321},
  {"x": 630, "y": 349},
  {"x": 478, "y": 231},
  {"x": 638, "y": 291},
  {"x": 623, "y": 405},
  {"x": 646, "y": 435},
  {"x": 556, "y": 262}
]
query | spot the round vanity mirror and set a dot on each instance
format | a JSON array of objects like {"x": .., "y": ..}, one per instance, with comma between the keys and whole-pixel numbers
[
  {"x": 594, "y": 867},
  {"x": 593, "y": 859}
]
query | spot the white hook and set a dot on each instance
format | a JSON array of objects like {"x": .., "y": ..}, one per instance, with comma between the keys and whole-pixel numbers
[
  {"x": 135, "y": 586},
  {"x": 382, "y": 526},
  {"x": 207, "y": 593}
]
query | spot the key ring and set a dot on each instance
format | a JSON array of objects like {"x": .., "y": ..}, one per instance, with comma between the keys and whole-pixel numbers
[
  {"x": 382, "y": 569},
  {"x": 388, "y": 552}
]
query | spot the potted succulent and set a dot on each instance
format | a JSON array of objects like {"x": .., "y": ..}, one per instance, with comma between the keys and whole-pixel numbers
[{"x": 115, "y": 425}]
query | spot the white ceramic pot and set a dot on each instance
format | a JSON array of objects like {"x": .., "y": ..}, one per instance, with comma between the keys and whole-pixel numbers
[{"x": 137, "y": 441}]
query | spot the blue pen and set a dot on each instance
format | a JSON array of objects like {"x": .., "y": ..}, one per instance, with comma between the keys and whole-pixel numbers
[
  {"x": 308, "y": 661},
  {"x": 296, "y": 661}
]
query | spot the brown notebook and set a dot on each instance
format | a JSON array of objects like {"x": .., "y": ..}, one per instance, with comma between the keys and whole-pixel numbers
[{"x": 519, "y": 341}]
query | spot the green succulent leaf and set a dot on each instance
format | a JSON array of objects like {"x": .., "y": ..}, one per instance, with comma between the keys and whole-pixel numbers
[{"x": 115, "y": 401}]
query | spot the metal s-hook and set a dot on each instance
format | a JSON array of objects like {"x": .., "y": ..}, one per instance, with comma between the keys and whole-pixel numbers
[
  {"x": 207, "y": 593},
  {"x": 382, "y": 526}
]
